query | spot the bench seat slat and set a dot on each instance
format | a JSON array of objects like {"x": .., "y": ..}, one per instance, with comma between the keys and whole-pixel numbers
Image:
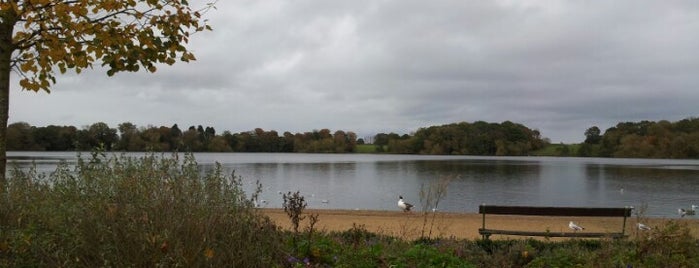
[{"x": 548, "y": 234}]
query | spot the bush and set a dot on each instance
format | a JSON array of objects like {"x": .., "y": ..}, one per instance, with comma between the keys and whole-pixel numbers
[{"x": 124, "y": 212}]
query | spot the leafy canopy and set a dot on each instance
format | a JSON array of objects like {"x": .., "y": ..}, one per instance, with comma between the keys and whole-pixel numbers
[{"x": 125, "y": 35}]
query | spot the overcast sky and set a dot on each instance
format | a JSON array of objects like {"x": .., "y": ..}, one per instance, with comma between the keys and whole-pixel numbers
[{"x": 396, "y": 66}]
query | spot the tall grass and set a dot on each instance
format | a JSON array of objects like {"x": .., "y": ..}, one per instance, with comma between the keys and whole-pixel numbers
[{"x": 120, "y": 211}]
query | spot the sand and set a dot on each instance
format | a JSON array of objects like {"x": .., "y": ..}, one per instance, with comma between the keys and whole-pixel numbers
[{"x": 412, "y": 225}]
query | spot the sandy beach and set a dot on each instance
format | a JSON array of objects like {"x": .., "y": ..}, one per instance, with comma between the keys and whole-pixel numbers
[{"x": 411, "y": 225}]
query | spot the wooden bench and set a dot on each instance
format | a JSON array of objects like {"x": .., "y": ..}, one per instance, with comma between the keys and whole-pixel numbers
[{"x": 554, "y": 211}]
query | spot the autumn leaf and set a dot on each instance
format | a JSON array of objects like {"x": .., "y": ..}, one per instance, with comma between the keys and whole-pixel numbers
[{"x": 209, "y": 253}]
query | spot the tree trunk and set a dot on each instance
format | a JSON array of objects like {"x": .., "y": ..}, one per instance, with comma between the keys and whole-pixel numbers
[{"x": 7, "y": 21}]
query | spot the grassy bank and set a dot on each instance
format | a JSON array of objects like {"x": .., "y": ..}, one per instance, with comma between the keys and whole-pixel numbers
[
  {"x": 162, "y": 211},
  {"x": 558, "y": 150},
  {"x": 365, "y": 148}
]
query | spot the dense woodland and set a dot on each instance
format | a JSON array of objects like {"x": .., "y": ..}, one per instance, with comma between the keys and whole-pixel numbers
[
  {"x": 128, "y": 137},
  {"x": 645, "y": 139},
  {"x": 479, "y": 138}
]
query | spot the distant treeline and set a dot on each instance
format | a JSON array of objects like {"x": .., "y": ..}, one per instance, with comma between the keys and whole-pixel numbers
[
  {"x": 478, "y": 138},
  {"x": 24, "y": 137},
  {"x": 645, "y": 139}
]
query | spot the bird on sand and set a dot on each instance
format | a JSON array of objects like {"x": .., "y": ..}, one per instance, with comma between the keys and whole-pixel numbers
[
  {"x": 643, "y": 227},
  {"x": 575, "y": 227},
  {"x": 403, "y": 205}
]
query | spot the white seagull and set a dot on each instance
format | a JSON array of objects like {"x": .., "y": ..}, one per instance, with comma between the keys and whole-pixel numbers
[
  {"x": 643, "y": 227},
  {"x": 695, "y": 207},
  {"x": 575, "y": 227},
  {"x": 403, "y": 205},
  {"x": 682, "y": 212}
]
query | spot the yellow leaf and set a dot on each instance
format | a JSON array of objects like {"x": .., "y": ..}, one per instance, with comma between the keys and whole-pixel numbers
[
  {"x": 26, "y": 66},
  {"x": 209, "y": 253}
]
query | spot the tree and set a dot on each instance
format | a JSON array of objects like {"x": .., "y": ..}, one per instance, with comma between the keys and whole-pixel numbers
[
  {"x": 190, "y": 141},
  {"x": 128, "y": 132},
  {"x": 51, "y": 138},
  {"x": 40, "y": 37},
  {"x": 100, "y": 134},
  {"x": 175, "y": 137},
  {"x": 19, "y": 136},
  {"x": 592, "y": 135},
  {"x": 155, "y": 138}
]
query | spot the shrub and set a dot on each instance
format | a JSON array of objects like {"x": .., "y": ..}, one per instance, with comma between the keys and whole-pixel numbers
[
  {"x": 421, "y": 255},
  {"x": 125, "y": 211}
]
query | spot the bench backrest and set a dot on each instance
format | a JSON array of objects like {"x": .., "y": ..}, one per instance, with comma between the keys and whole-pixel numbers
[{"x": 555, "y": 211}]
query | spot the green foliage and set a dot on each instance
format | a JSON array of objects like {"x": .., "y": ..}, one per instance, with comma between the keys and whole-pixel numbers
[
  {"x": 22, "y": 137},
  {"x": 565, "y": 150},
  {"x": 560, "y": 258},
  {"x": 358, "y": 248},
  {"x": 548, "y": 150},
  {"x": 124, "y": 212},
  {"x": 671, "y": 243},
  {"x": 592, "y": 135},
  {"x": 644, "y": 139},
  {"x": 478, "y": 138},
  {"x": 648, "y": 139},
  {"x": 323, "y": 141},
  {"x": 365, "y": 149},
  {"x": 422, "y": 255}
]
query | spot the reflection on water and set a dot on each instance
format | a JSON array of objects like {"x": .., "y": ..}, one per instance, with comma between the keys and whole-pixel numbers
[{"x": 357, "y": 181}]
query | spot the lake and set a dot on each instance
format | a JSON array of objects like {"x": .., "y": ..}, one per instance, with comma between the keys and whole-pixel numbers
[{"x": 374, "y": 182}]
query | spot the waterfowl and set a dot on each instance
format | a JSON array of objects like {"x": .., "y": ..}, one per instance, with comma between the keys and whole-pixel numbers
[
  {"x": 575, "y": 227},
  {"x": 403, "y": 205}
]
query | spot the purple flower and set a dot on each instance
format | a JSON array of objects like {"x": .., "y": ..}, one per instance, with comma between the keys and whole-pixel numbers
[{"x": 292, "y": 259}]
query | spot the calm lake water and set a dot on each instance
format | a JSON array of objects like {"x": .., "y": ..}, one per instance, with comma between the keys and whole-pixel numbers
[{"x": 367, "y": 181}]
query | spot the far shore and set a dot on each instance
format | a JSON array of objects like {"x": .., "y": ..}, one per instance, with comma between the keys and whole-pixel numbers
[{"x": 412, "y": 225}]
